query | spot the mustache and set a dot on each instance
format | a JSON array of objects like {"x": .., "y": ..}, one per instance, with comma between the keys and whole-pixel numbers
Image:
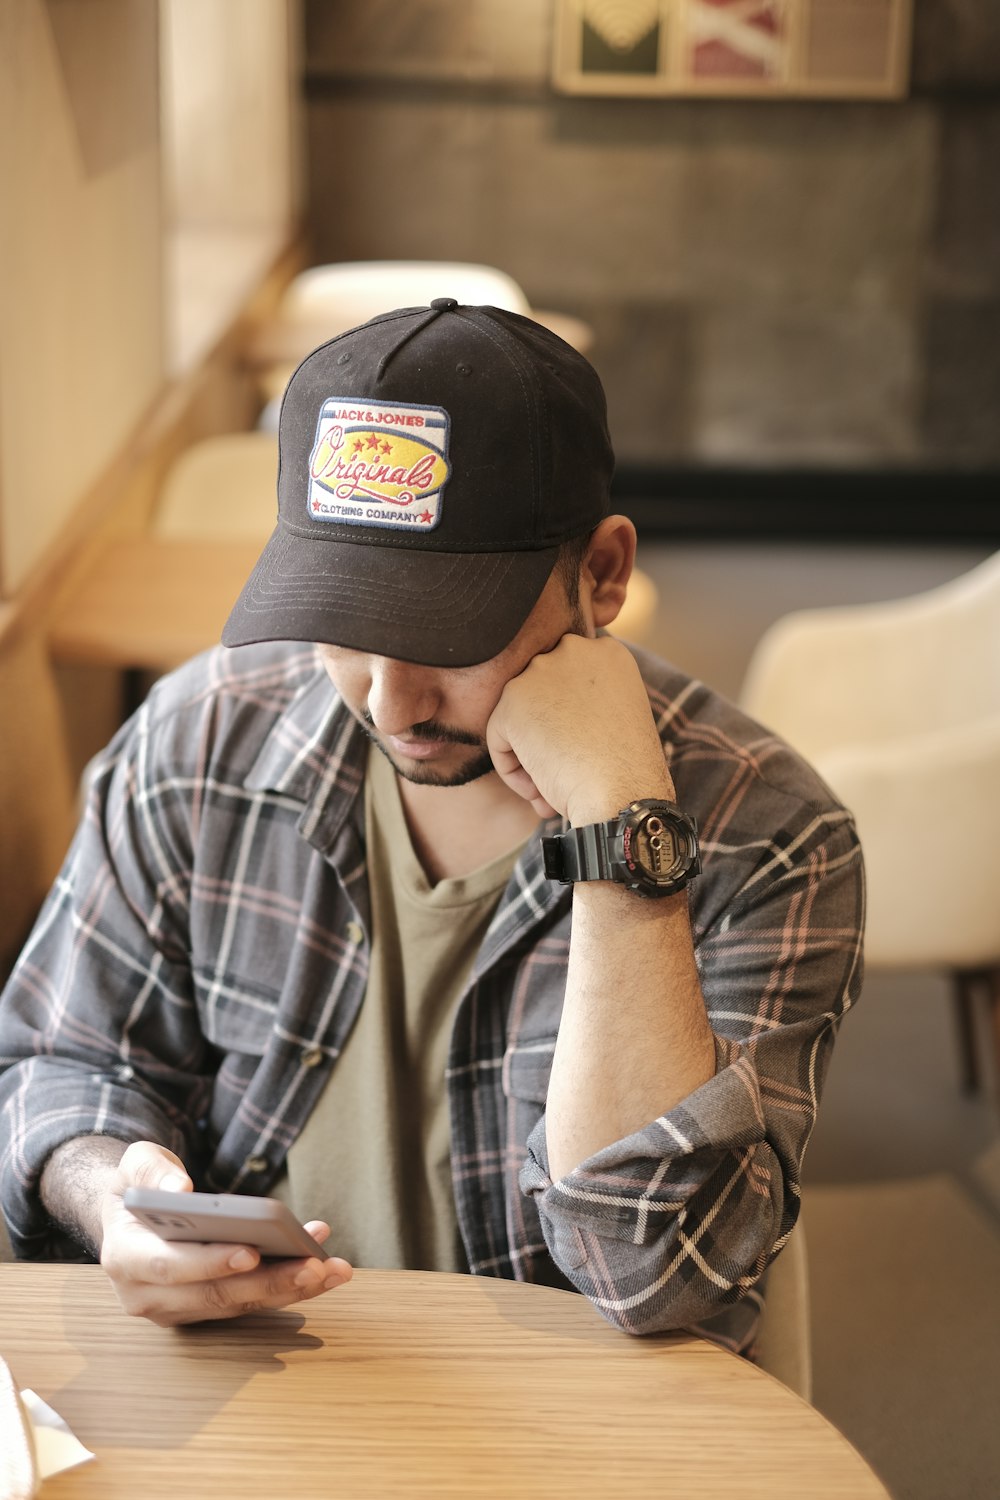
[{"x": 429, "y": 730}]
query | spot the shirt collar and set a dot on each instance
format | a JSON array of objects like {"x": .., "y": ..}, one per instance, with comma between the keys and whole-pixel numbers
[{"x": 316, "y": 754}]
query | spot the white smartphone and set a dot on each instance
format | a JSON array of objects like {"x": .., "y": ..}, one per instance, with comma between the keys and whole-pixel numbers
[{"x": 227, "y": 1218}]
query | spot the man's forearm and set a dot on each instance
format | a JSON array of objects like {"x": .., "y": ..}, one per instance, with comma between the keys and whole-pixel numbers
[
  {"x": 74, "y": 1181},
  {"x": 574, "y": 733},
  {"x": 634, "y": 1038}
]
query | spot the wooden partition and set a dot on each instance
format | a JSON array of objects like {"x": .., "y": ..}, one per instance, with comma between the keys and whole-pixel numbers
[{"x": 55, "y": 717}]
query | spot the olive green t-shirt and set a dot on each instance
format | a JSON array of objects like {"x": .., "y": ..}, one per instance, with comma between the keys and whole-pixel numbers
[{"x": 374, "y": 1158}]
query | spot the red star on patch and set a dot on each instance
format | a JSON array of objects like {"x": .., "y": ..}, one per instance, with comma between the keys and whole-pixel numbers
[
  {"x": 386, "y": 447},
  {"x": 372, "y": 442},
  {"x": 358, "y": 445},
  {"x": 425, "y": 516},
  {"x": 315, "y": 505}
]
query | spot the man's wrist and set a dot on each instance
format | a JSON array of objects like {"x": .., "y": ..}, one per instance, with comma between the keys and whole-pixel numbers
[
  {"x": 74, "y": 1182},
  {"x": 649, "y": 846},
  {"x": 599, "y": 806}
]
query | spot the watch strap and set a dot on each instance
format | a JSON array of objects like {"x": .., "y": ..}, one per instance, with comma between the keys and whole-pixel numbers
[
  {"x": 605, "y": 851},
  {"x": 578, "y": 854}
]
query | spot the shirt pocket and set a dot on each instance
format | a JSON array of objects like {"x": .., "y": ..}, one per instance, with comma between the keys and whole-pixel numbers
[
  {"x": 236, "y": 1019},
  {"x": 526, "y": 1070}
]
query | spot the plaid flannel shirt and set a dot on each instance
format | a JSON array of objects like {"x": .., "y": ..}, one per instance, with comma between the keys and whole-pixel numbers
[{"x": 199, "y": 963}]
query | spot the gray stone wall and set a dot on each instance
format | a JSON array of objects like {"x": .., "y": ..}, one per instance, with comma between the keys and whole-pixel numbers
[{"x": 770, "y": 284}]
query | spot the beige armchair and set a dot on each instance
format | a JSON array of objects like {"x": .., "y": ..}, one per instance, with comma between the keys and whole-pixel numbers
[
  {"x": 784, "y": 1342},
  {"x": 897, "y": 704},
  {"x": 325, "y": 300}
]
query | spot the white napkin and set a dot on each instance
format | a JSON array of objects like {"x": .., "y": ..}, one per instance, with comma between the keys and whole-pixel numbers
[{"x": 56, "y": 1447}]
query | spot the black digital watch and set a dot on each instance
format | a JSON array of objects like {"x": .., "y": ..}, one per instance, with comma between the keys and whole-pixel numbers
[{"x": 651, "y": 848}]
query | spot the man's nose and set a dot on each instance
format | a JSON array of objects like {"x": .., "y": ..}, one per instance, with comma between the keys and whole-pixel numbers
[{"x": 401, "y": 694}]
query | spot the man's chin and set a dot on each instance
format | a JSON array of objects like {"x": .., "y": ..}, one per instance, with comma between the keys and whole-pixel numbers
[{"x": 421, "y": 774}]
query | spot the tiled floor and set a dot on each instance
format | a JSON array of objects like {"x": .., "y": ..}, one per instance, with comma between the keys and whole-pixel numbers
[{"x": 902, "y": 1204}]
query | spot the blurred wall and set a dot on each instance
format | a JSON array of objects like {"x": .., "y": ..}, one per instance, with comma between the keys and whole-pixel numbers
[
  {"x": 232, "y": 155},
  {"x": 92, "y": 412},
  {"x": 81, "y": 347},
  {"x": 769, "y": 283},
  {"x": 228, "y": 124}
]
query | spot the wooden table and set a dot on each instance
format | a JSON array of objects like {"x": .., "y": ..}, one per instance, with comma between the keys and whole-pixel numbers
[
  {"x": 149, "y": 603},
  {"x": 404, "y": 1384},
  {"x": 152, "y": 602}
]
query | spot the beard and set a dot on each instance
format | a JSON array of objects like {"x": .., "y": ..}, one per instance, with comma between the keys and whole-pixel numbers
[{"x": 477, "y": 766}]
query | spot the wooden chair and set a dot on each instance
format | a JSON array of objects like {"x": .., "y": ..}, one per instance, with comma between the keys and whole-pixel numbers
[{"x": 221, "y": 489}]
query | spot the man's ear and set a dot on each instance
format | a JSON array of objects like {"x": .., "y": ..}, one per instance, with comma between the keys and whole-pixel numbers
[{"x": 607, "y": 568}]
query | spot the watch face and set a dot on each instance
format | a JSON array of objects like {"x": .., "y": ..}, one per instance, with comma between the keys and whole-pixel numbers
[
  {"x": 660, "y": 848},
  {"x": 657, "y": 847}
]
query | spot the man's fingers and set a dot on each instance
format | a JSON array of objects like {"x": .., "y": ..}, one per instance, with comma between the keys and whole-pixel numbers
[
  {"x": 174, "y": 1263},
  {"x": 510, "y": 770},
  {"x": 320, "y": 1231},
  {"x": 279, "y": 1282},
  {"x": 574, "y": 732},
  {"x": 175, "y": 1282},
  {"x": 276, "y": 1285},
  {"x": 144, "y": 1164}
]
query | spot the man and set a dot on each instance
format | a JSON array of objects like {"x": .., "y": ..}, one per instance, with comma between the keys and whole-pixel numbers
[{"x": 397, "y": 911}]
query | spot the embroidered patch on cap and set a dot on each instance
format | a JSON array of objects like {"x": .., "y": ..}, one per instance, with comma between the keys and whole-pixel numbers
[{"x": 376, "y": 464}]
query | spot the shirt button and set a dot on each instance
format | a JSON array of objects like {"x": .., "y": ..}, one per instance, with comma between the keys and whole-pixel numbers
[
  {"x": 256, "y": 1164},
  {"x": 354, "y": 932},
  {"x": 312, "y": 1057}
]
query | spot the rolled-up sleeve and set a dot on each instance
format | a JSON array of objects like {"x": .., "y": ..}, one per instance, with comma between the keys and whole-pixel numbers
[
  {"x": 98, "y": 1031},
  {"x": 679, "y": 1220}
]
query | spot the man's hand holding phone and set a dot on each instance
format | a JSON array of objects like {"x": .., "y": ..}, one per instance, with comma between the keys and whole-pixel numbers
[{"x": 171, "y": 1282}]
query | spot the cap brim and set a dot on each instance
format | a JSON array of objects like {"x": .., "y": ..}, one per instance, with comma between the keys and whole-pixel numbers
[{"x": 441, "y": 609}]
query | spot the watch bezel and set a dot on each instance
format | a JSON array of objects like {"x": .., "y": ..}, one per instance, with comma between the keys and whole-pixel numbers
[{"x": 634, "y": 875}]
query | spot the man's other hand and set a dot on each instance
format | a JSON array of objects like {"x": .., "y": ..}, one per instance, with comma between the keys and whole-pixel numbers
[
  {"x": 170, "y": 1282},
  {"x": 574, "y": 734}
]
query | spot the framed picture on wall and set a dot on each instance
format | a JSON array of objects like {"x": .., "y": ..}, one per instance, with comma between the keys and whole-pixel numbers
[{"x": 835, "y": 49}]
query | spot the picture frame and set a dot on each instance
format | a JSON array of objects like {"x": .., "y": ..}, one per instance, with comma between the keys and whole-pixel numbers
[{"x": 767, "y": 49}]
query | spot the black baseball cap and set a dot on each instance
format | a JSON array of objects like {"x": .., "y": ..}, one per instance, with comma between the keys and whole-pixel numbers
[{"x": 431, "y": 463}]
